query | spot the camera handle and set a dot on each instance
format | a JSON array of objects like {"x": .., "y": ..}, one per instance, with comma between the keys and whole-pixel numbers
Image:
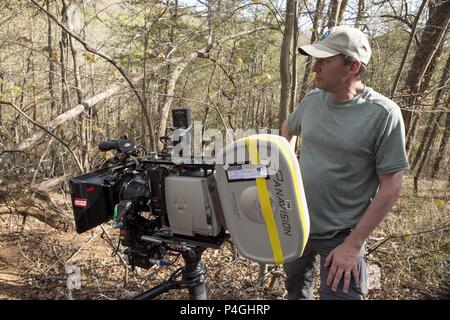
[{"x": 193, "y": 278}]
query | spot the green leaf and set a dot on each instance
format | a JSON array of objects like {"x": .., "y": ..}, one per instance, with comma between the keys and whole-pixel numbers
[{"x": 16, "y": 89}]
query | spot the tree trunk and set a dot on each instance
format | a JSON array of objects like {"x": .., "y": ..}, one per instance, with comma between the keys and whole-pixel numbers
[
  {"x": 408, "y": 46},
  {"x": 25, "y": 78},
  {"x": 263, "y": 112},
  {"x": 443, "y": 144},
  {"x": 333, "y": 18},
  {"x": 145, "y": 83},
  {"x": 285, "y": 53},
  {"x": 257, "y": 116},
  {"x": 207, "y": 96},
  {"x": 294, "y": 60},
  {"x": 169, "y": 98},
  {"x": 426, "y": 149},
  {"x": 64, "y": 86},
  {"x": 251, "y": 113},
  {"x": 341, "y": 11},
  {"x": 314, "y": 37},
  {"x": 432, "y": 121},
  {"x": 51, "y": 59},
  {"x": 436, "y": 25},
  {"x": 75, "y": 53},
  {"x": 424, "y": 81},
  {"x": 76, "y": 70},
  {"x": 360, "y": 15},
  {"x": 1, "y": 95},
  {"x": 210, "y": 41}
]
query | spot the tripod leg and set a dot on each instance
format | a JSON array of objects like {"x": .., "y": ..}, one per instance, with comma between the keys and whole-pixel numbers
[
  {"x": 156, "y": 291},
  {"x": 193, "y": 273},
  {"x": 195, "y": 269},
  {"x": 198, "y": 292}
]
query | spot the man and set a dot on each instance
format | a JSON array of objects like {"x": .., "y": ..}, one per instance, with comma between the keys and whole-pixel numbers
[{"x": 352, "y": 158}]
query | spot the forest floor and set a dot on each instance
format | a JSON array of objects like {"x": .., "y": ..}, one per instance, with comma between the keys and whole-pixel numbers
[{"x": 412, "y": 256}]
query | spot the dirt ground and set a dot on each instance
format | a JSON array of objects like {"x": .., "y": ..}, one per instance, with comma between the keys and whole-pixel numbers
[
  {"x": 34, "y": 258},
  {"x": 33, "y": 266}
]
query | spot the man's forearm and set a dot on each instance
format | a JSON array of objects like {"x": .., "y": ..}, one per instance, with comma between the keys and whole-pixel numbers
[
  {"x": 377, "y": 210},
  {"x": 285, "y": 132}
]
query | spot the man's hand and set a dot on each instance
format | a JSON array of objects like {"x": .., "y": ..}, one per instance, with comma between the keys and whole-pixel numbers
[{"x": 343, "y": 262}]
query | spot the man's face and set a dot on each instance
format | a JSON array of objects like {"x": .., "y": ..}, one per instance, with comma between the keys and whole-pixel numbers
[{"x": 331, "y": 73}]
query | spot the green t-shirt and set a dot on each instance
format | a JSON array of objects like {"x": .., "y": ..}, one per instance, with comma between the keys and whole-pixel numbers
[{"x": 345, "y": 146}]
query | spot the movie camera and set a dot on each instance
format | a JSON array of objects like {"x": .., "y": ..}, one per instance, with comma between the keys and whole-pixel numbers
[{"x": 163, "y": 205}]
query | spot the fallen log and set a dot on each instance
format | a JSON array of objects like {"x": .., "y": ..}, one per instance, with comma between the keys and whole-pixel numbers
[{"x": 18, "y": 198}]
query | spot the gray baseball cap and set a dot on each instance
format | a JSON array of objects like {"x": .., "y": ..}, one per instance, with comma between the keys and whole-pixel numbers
[{"x": 341, "y": 39}]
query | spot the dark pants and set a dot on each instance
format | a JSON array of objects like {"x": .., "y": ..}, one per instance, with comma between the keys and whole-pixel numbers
[{"x": 301, "y": 273}]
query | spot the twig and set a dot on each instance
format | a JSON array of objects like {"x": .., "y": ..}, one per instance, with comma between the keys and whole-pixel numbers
[
  {"x": 262, "y": 273},
  {"x": 41, "y": 159},
  {"x": 222, "y": 119},
  {"x": 370, "y": 251},
  {"x": 56, "y": 254},
  {"x": 105, "y": 296},
  {"x": 23, "y": 254},
  {"x": 109, "y": 241},
  {"x": 49, "y": 268},
  {"x": 275, "y": 274},
  {"x": 12, "y": 151},
  {"x": 79, "y": 249}
]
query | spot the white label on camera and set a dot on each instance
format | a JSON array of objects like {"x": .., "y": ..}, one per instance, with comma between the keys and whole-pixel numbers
[
  {"x": 82, "y": 203},
  {"x": 246, "y": 172}
]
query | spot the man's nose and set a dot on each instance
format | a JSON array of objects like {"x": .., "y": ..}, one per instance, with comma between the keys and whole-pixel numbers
[{"x": 315, "y": 66}]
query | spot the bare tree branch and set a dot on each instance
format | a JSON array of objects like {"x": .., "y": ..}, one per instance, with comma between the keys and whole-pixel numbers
[
  {"x": 46, "y": 130},
  {"x": 445, "y": 228}
]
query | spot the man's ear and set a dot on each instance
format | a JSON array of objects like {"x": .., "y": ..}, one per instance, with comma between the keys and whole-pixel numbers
[{"x": 354, "y": 67}]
